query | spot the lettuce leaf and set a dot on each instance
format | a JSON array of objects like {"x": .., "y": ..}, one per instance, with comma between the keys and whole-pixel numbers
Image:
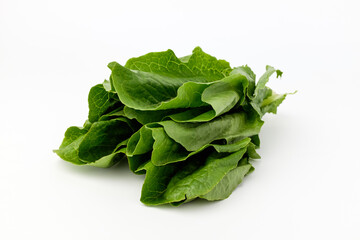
[{"x": 191, "y": 124}]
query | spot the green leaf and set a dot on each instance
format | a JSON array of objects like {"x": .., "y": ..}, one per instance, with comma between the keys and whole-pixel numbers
[
  {"x": 166, "y": 150},
  {"x": 186, "y": 180},
  {"x": 149, "y": 91},
  {"x": 102, "y": 101},
  {"x": 97, "y": 144},
  {"x": 251, "y": 151},
  {"x": 265, "y": 100},
  {"x": 221, "y": 95},
  {"x": 162, "y": 81},
  {"x": 227, "y": 184},
  {"x": 199, "y": 65},
  {"x": 250, "y": 76},
  {"x": 195, "y": 135},
  {"x": 140, "y": 142},
  {"x": 68, "y": 149},
  {"x": 102, "y": 138}
]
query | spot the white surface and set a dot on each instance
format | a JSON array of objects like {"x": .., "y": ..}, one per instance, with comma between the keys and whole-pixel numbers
[{"x": 307, "y": 184}]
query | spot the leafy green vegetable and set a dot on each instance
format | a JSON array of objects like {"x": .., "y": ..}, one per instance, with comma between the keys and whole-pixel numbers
[
  {"x": 95, "y": 144},
  {"x": 191, "y": 124},
  {"x": 102, "y": 141},
  {"x": 193, "y": 178},
  {"x": 194, "y": 135},
  {"x": 102, "y": 101}
]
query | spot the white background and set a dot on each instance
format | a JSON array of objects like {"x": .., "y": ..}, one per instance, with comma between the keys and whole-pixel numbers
[{"x": 307, "y": 184}]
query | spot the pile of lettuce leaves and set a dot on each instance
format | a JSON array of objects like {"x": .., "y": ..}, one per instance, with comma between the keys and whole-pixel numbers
[{"x": 191, "y": 124}]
